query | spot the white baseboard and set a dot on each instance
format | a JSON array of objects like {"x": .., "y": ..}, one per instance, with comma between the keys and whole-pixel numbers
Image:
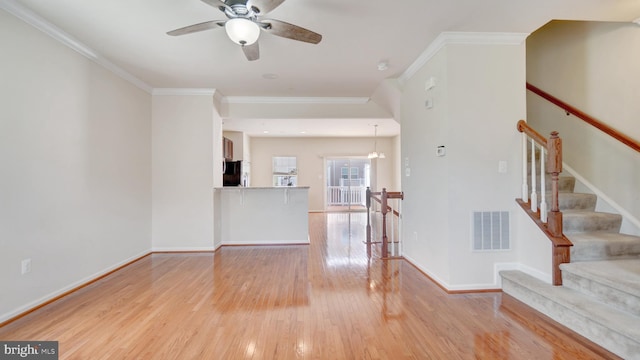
[
  {"x": 267, "y": 242},
  {"x": 449, "y": 287},
  {"x": 34, "y": 304},
  {"x": 520, "y": 267},
  {"x": 497, "y": 284},
  {"x": 185, "y": 249}
]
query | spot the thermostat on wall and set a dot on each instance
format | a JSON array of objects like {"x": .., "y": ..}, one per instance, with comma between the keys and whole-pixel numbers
[{"x": 440, "y": 150}]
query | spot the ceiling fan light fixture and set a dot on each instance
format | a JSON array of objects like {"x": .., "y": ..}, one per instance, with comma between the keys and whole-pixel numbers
[{"x": 242, "y": 31}]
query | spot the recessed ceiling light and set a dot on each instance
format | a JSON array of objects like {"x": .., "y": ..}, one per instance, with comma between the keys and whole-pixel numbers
[
  {"x": 383, "y": 65},
  {"x": 270, "y": 76},
  {"x": 265, "y": 132},
  {"x": 303, "y": 132}
]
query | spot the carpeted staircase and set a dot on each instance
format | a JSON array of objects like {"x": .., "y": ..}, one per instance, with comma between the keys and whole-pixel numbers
[{"x": 600, "y": 295}]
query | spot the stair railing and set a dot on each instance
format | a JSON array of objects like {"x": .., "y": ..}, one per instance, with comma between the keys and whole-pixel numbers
[
  {"x": 396, "y": 221},
  {"x": 553, "y": 227},
  {"x": 550, "y": 222},
  {"x": 630, "y": 142}
]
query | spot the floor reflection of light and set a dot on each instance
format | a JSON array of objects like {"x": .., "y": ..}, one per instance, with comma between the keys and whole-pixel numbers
[
  {"x": 301, "y": 348},
  {"x": 345, "y": 261},
  {"x": 346, "y": 233},
  {"x": 251, "y": 348}
]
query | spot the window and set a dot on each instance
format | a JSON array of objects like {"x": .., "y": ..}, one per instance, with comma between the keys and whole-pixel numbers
[
  {"x": 344, "y": 172},
  {"x": 285, "y": 171}
]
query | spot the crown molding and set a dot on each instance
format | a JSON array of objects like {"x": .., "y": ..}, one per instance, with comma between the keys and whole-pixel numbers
[
  {"x": 184, "y": 91},
  {"x": 296, "y": 100},
  {"x": 460, "y": 38},
  {"x": 25, "y": 14},
  {"x": 217, "y": 96}
]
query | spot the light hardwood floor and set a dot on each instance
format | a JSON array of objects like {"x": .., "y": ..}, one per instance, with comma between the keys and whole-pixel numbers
[{"x": 326, "y": 300}]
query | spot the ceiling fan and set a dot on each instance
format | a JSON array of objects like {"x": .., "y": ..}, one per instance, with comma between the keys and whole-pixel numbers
[{"x": 244, "y": 24}]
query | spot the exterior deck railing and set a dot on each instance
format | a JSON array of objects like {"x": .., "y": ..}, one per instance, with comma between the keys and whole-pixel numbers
[{"x": 346, "y": 195}]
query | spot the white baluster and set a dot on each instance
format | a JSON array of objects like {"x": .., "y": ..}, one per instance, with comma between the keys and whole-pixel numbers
[
  {"x": 534, "y": 194},
  {"x": 525, "y": 187},
  {"x": 400, "y": 227},
  {"x": 393, "y": 233},
  {"x": 543, "y": 190}
]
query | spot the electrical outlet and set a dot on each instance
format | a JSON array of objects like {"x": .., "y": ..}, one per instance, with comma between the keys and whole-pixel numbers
[{"x": 26, "y": 266}]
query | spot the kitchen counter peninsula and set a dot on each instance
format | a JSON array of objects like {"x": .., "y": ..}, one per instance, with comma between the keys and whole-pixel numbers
[{"x": 262, "y": 215}]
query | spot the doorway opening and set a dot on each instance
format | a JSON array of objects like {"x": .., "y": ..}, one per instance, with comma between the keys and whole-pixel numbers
[{"x": 347, "y": 182}]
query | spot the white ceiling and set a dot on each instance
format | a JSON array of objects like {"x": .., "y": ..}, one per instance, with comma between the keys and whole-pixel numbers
[{"x": 357, "y": 35}]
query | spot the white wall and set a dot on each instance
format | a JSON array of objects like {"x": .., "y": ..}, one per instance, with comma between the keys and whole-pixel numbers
[
  {"x": 246, "y": 161},
  {"x": 301, "y": 110},
  {"x": 217, "y": 166},
  {"x": 478, "y": 98},
  {"x": 183, "y": 172},
  {"x": 594, "y": 67},
  {"x": 75, "y": 148},
  {"x": 264, "y": 216},
  {"x": 397, "y": 164},
  {"x": 311, "y": 154}
]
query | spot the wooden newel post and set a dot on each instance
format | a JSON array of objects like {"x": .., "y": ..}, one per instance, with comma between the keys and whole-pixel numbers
[
  {"x": 384, "y": 210},
  {"x": 368, "y": 201},
  {"x": 554, "y": 167}
]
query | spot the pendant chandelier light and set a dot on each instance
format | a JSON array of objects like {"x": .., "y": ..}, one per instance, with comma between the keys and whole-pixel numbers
[{"x": 375, "y": 154}]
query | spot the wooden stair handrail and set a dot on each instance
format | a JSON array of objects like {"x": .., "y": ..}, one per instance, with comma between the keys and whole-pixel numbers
[
  {"x": 397, "y": 195},
  {"x": 385, "y": 208},
  {"x": 632, "y": 143},
  {"x": 553, "y": 227},
  {"x": 525, "y": 128}
]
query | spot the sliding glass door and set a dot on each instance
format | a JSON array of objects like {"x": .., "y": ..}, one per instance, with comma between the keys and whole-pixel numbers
[{"x": 347, "y": 182}]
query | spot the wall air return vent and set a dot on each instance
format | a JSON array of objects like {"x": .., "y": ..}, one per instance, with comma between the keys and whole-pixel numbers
[{"x": 491, "y": 230}]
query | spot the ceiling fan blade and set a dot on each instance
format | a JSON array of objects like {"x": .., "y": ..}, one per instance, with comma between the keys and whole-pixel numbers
[
  {"x": 252, "y": 52},
  {"x": 290, "y": 31},
  {"x": 263, "y": 6},
  {"x": 218, "y": 4},
  {"x": 197, "y": 27}
]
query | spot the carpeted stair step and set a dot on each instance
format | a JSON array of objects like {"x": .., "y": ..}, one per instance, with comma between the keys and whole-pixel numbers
[
  {"x": 613, "y": 282},
  {"x": 590, "y": 246},
  {"x": 609, "y": 327},
  {"x": 574, "y": 221},
  {"x": 565, "y": 183},
  {"x": 576, "y": 201},
  {"x": 570, "y": 200}
]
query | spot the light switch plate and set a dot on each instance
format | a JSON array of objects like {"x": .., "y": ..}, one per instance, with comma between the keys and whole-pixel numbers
[
  {"x": 502, "y": 167},
  {"x": 430, "y": 83}
]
